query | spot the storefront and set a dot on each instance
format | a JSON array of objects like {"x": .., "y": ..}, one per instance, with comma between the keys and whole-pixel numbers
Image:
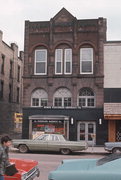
[
  {"x": 75, "y": 124},
  {"x": 40, "y": 124},
  {"x": 114, "y": 127}
]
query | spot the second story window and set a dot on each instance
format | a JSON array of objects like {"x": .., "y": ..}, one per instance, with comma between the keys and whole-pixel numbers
[
  {"x": 39, "y": 98},
  {"x": 1, "y": 89},
  {"x": 86, "y": 98},
  {"x": 40, "y": 62},
  {"x": 63, "y": 61},
  {"x": 3, "y": 64},
  {"x": 62, "y": 98},
  {"x": 86, "y": 61}
]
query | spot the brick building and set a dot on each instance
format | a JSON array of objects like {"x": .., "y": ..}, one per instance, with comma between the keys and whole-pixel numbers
[
  {"x": 112, "y": 89},
  {"x": 64, "y": 78},
  {"x": 11, "y": 70}
]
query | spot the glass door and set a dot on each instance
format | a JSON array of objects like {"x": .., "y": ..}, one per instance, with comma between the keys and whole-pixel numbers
[{"x": 86, "y": 132}]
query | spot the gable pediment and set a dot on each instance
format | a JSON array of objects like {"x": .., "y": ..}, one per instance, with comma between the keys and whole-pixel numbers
[{"x": 63, "y": 16}]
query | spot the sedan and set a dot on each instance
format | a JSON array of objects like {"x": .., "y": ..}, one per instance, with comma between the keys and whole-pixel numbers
[
  {"x": 113, "y": 147},
  {"x": 49, "y": 142},
  {"x": 27, "y": 170},
  {"x": 107, "y": 168}
]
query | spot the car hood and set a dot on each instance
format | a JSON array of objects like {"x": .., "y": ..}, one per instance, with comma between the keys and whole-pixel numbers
[
  {"x": 24, "y": 165},
  {"x": 87, "y": 169}
]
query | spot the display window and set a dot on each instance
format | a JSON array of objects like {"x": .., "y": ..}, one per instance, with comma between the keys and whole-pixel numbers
[{"x": 46, "y": 126}]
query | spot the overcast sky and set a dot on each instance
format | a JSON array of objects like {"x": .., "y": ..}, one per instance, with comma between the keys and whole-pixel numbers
[{"x": 13, "y": 14}]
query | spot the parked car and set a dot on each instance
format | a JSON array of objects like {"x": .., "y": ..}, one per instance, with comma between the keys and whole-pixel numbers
[
  {"x": 27, "y": 170},
  {"x": 113, "y": 147},
  {"x": 107, "y": 168},
  {"x": 49, "y": 142}
]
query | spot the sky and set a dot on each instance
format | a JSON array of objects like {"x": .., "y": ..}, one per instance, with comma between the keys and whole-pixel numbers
[{"x": 13, "y": 14}]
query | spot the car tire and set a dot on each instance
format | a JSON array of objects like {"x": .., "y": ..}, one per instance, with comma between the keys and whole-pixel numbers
[
  {"x": 23, "y": 148},
  {"x": 65, "y": 151},
  {"x": 116, "y": 150}
]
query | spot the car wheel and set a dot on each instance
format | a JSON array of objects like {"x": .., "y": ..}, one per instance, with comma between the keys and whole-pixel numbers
[
  {"x": 116, "y": 150},
  {"x": 65, "y": 151},
  {"x": 23, "y": 148}
]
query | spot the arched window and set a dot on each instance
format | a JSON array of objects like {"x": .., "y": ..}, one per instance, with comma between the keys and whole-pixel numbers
[
  {"x": 39, "y": 98},
  {"x": 62, "y": 98},
  {"x": 86, "y": 98},
  {"x": 40, "y": 62},
  {"x": 86, "y": 60}
]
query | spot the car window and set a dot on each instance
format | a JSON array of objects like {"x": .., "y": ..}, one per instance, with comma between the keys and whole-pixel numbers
[
  {"x": 56, "y": 138},
  {"x": 61, "y": 137},
  {"x": 42, "y": 137},
  {"x": 108, "y": 158},
  {"x": 53, "y": 138}
]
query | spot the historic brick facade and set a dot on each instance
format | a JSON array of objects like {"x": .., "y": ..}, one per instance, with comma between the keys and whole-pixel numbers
[
  {"x": 11, "y": 71},
  {"x": 64, "y": 33}
]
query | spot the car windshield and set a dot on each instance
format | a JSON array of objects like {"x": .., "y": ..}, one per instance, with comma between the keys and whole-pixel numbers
[
  {"x": 108, "y": 158},
  {"x": 43, "y": 137}
]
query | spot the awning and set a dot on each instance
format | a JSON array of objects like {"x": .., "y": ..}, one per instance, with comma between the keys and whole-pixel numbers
[
  {"x": 49, "y": 117},
  {"x": 112, "y": 116}
]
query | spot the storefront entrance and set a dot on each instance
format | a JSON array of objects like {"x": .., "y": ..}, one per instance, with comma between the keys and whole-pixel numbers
[{"x": 87, "y": 132}]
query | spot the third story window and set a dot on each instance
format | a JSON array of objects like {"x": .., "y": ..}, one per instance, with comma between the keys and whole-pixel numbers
[
  {"x": 86, "y": 60},
  {"x": 41, "y": 62},
  {"x": 63, "y": 61}
]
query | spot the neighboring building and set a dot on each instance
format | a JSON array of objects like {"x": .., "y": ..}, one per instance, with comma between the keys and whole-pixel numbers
[
  {"x": 112, "y": 89},
  {"x": 64, "y": 78},
  {"x": 11, "y": 70}
]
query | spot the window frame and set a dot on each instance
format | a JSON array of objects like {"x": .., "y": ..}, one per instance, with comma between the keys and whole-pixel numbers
[
  {"x": 61, "y": 61},
  {"x": 38, "y": 95},
  {"x": 90, "y": 60},
  {"x": 86, "y": 98},
  {"x": 65, "y": 60},
  {"x": 35, "y": 62},
  {"x": 64, "y": 96},
  {"x": 63, "y": 101},
  {"x": 39, "y": 102}
]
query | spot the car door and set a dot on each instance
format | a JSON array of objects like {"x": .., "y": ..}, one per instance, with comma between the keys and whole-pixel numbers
[
  {"x": 39, "y": 143},
  {"x": 53, "y": 143}
]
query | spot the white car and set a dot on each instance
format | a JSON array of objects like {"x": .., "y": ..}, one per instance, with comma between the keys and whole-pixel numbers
[
  {"x": 49, "y": 142},
  {"x": 113, "y": 147}
]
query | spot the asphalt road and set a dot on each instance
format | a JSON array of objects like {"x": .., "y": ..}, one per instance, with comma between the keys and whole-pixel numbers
[{"x": 50, "y": 161}]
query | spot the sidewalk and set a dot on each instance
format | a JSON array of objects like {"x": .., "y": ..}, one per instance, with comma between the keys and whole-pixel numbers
[{"x": 95, "y": 149}]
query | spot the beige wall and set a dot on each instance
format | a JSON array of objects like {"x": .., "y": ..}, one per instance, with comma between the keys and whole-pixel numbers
[
  {"x": 112, "y": 65},
  {"x": 7, "y": 108}
]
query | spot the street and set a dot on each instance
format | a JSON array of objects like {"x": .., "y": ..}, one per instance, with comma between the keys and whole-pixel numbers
[{"x": 50, "y": 161}]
